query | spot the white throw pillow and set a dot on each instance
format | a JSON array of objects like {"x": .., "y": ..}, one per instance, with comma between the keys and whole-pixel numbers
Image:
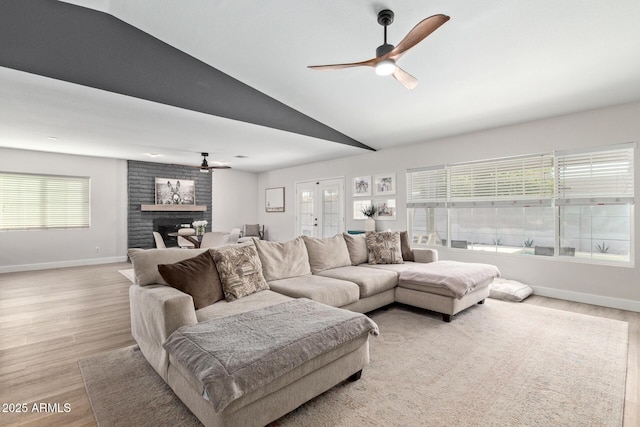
[{"x": 509, "y": 290}]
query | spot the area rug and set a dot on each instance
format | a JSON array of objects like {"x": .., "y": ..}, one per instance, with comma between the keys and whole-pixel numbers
[
  {"x": 128, "y": 273},
  {"x": 497, "y": 364}
]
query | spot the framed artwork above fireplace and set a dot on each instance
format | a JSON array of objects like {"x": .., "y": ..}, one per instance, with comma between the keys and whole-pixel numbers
[{"x": 171, "y": 191}]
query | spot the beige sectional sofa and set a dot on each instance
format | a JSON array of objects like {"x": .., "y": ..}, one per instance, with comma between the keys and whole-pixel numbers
[{"x": 333, "y": 271}]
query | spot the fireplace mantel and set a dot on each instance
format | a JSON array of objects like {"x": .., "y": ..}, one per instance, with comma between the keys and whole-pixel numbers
[{"x": 173, "y": 208}]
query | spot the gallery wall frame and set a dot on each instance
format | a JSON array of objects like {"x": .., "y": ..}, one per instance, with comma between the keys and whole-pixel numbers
[
  {"x": 387, "y": 209},
  {"x": 274, "y": 199},
  {"x": 358, "y": 205},
  {"x": 361, "y": 186},
  {"x": 384, "y": 184}
]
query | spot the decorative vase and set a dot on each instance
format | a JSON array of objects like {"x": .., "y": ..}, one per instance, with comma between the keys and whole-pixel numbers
[
  {"x": 200, "y": 230},
  {"x": 369, "y": 224}
]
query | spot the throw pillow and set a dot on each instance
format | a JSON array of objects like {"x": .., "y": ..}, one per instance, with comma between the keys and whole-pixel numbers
[
  {"x": 195, "y": 276},
  {"x": 357, "y": 246},
  {"x": 405, "y": 247},
  {"x": 509, "y": 290},
  {"x": 384, "y": 247},
  {"x": 283, "y": 260},
  {"x": 145, "y": 262},
  {"x": 327, "y": 253},
  {"x": 251, "y": 230},
  {"x": 240, "y": 271}
]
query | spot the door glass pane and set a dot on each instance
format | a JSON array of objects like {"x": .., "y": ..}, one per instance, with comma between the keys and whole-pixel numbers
[
  {"x": 305, "y": 210},
  {"x": 330, "y": 212}
]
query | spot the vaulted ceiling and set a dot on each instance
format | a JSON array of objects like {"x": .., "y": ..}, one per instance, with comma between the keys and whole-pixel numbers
[{"x": 173, "y": 79}]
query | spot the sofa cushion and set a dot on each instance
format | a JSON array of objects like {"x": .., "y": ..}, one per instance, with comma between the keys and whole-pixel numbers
[
  {"x": 397, "y": 268},
  {"x": 405, "y": 247},
  {"x": 283, "y": 260},
  {"x": 371, "y": 281},
  {"x": 357, "y": 246},
  {"x": 195, "y": 276},
  {"x": 327, "y": 253},
  {"x": 145, "y": 262},
  {"x": 251, "y": 302},
  {"x": 326, "y": 290},
  {"x": 384, "y": 247},
  {"x": 240, "y": 270}
]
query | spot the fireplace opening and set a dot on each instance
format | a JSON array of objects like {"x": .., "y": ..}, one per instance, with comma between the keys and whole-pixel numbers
[{"x": 164, "y": 226}]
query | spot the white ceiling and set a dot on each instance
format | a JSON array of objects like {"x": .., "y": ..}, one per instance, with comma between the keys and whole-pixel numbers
[{"x": 496, "y": 62}]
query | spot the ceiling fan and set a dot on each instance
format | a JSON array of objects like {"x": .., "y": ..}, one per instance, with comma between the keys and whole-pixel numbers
[
  {"x": 388, "y": 55},
  {"x": 204, "y": 166}
]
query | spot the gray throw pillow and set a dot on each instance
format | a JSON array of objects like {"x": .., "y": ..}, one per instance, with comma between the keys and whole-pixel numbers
[
  {"x": 252, "y": 230},
  {"x": 384, "y": 247},
  {"x": 405, "y": 247},
  {"x": 240, "y": 270}
]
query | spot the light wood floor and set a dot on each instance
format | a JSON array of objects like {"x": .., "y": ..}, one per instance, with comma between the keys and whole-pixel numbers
[{"x": 51, "y": 319}]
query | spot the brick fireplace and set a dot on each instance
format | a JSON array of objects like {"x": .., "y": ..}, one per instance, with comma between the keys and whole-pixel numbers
[{"x": 141, "y": 184}]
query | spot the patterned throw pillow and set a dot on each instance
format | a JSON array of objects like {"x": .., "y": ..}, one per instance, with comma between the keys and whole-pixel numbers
[
  {"x": 384, "y": 247},
  {"x": 240, "y": 271}
]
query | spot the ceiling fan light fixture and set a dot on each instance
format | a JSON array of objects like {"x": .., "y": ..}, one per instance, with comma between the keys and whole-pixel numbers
[
  {"x": 204, "y": 170},
  {"x": 386, "y": 67}
]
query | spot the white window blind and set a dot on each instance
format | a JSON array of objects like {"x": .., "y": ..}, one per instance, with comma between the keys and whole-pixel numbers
[
  {"x": 595, "y": 177},
  {"x": 518, "y": 181},
  {"x": 427, "y": 187},
  {"x": 43, "y": 201}
]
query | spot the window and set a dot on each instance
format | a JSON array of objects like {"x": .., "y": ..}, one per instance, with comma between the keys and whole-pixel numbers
[
  {"x": 594, "y": 195},
  {"x": 574, "y": 204},
  {"x": 43, "y": 201}
]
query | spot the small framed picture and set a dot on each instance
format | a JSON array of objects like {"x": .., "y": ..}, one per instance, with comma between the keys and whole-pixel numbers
[
  {"x": 386, "y": 209},
  {"x": 274, "y": 199},
  {"x": 358, "y": 206},
  {"x": 362, "y": 186},
  {"x": 384, "y": 183}
]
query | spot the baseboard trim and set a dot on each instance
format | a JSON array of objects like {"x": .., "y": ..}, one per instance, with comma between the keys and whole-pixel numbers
[
  {"x": 619, "y": 303},
  {"x": 62, "y": 264}
]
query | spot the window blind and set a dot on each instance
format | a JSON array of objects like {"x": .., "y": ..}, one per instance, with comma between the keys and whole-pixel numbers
[
  {"x": 595, "y": 177},
  {"x": 518, "y": 181},
  {"x": 43, "y": 201},
  {"x": 427, "y": 187}
]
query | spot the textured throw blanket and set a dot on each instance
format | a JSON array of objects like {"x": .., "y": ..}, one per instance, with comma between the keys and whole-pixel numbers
[
  {"x": 232, "y": 356},
  {"x": 459, "y": 277}
]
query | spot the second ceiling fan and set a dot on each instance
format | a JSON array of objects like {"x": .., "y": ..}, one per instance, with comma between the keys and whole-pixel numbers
[
  {"x": 388, "y": 55},
  {"x": 204, "y": 166}
]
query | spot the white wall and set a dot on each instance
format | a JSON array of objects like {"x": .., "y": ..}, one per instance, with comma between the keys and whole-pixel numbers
[
  {"x": 235, "y": 199},
  {"x": 603, "y": 285},
  {"x": 37, "y": 249}
]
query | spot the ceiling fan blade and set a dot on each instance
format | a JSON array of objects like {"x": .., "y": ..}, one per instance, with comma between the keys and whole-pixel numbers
[
  {"x": 406, "y": 79},
  {"x": 368, "y": 63},
  {"x": 219, "y": 167},
  {"x": 417, "y": 34}
]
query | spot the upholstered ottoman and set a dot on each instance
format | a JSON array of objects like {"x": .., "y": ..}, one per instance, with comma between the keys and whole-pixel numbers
[{"x": 446, "y": 287}]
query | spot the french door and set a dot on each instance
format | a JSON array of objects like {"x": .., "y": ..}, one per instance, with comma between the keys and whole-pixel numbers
[{"x": 320, "y": 208}]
